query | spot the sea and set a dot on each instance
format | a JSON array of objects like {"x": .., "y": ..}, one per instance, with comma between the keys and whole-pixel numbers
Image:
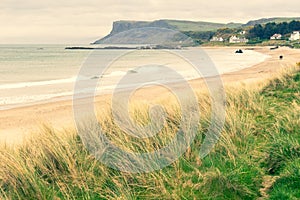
[{"x": 34, "y": 74}]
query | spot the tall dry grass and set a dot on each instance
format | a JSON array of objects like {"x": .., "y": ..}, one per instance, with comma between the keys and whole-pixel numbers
[{"x": 260, "y": 138}]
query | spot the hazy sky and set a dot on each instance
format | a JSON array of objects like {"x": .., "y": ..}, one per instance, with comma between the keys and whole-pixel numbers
[{"x": 83, "y": 21}]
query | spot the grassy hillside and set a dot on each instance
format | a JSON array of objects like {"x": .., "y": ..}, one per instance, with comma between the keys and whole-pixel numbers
[
  {"x": 258, "y": 154},
  {"x": 200, "y": 26},
  {"x": 178, "y": 25},
  {"x": 275, "y": 19}
]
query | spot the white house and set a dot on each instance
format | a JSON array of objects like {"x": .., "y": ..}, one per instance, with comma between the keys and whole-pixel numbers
[
  {"x": 235, "y": 39},
  {"x": 276, "y": 37},
  {"x": 217, "y": 39},
  {"x": 295, "y": 36}
]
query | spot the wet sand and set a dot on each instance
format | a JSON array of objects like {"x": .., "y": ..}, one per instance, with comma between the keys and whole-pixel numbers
[{"x": 19, "y": 122}]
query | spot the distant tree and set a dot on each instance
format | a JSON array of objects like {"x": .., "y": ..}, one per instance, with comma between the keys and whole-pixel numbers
[
  {"x": 283, "y": 28},
  {"x": 200, "y": 36},
  {"x": 259, "y": 31},
  {"x": 269, "y": 30},
  {"x": 256, "y": 32},
  {"x": 294, "y": 26}
]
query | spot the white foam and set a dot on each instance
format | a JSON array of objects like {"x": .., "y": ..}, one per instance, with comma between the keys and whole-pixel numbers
[
  {"x": 16, "y": 100},
  {"x": 36, "y": 83},
  {"x": 115, "y": 73}
]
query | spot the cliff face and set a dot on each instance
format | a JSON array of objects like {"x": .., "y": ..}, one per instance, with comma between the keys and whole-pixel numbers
[{"x": 121, "y": 26}]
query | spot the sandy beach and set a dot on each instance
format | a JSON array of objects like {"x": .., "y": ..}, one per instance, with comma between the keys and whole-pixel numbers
[{"x": 19, "y": 122}]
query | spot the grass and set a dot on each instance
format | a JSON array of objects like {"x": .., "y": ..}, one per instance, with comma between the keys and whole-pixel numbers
[
  {"x": 200, "y": 26},
  {"x": 260, "y": 142}
]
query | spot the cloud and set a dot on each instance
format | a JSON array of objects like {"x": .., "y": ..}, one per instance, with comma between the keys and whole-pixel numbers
[{"x": 62, "y": 21}]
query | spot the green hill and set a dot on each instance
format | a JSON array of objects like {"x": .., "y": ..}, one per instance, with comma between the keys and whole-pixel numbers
[
  {"x": 200, "y": 26},
  {"x": 274, "y": 19},
  {"x": 133, "y": 33},
  {"x": 177, "y": 25}
]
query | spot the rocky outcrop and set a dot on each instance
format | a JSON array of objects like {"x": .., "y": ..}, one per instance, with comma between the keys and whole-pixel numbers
[{"x": 123, "y": 26}]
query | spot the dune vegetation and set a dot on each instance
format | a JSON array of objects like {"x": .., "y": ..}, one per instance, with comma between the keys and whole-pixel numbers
[{"x": 258, "y": 155}]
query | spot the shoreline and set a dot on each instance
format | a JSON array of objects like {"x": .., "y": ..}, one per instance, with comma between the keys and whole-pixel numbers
[
  {"x": 18, "y": 122},
  {"x": 67, "y": 95}
]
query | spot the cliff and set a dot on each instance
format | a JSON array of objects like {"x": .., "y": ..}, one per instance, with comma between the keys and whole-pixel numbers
[{"x": 131, "y": 32}]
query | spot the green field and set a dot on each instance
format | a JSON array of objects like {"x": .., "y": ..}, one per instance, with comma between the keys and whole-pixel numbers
[
  {"x": 258, "y": 155},
  {"x": 200, "y": 26}
]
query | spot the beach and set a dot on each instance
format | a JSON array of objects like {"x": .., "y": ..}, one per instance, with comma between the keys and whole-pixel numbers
[{"x": 17, "y": 123}]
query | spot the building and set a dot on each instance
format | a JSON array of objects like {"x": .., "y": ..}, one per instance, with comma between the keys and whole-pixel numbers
[
  {"x": 276, "y": 37},
  {"x": 217, "y": 39},
  {"x": 295, "y": 36},
  {"x": 235, "y": 39},
  {"x": 243, "y": 32}
]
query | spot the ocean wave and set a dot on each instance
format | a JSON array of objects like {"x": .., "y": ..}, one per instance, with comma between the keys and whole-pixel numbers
[
  {"x": 7, "y": 102},
  {"x": 36, "y": 83}
]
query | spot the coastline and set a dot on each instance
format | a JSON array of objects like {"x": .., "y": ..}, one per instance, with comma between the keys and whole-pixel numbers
[{"x": 19, "y": 122}]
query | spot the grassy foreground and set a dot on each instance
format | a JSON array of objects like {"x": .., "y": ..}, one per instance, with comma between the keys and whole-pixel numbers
[{"x": 258, "y": 155}]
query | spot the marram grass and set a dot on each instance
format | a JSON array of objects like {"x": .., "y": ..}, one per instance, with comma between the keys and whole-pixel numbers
[{"x": 260, "y": 142}]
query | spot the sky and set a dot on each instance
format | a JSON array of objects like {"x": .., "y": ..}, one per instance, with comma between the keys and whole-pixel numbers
[{"x": 84, "y": 21}]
